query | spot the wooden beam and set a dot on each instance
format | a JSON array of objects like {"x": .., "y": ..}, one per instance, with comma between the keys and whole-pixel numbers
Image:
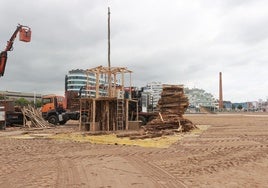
[
  {"x": 137, "y": 111},
  {"x": 127, "y": 103},
  {"x": 130, "y": 89},
  {"x": 80, "y": 118},
  {"x": 107, "y": 115},
  {"x": 97, "y": 84},
  {"x": 123, "y": 82},
  {"x": 114, "y": 88},
  {"x": 94, "y": 115}
]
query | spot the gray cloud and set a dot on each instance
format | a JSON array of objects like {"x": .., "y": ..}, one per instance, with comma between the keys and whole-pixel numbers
[{"x": 180, "y": 42}]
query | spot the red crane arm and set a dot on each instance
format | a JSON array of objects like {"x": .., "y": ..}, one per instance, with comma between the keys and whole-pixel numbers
[
  {"x": 11, "y": 40},
  {"x": 9, "y": 47}
]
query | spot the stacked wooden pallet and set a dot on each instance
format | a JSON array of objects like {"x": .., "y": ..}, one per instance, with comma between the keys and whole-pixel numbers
[
  {"x": 173, "y": 100},
  {"x": 172, "y": 105}
]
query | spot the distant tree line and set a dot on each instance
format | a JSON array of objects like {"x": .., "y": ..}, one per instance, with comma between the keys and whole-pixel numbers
[{"x": 24, "y": 102}]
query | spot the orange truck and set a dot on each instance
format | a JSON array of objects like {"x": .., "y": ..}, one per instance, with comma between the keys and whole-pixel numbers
[{"x": 54, "y": 110}]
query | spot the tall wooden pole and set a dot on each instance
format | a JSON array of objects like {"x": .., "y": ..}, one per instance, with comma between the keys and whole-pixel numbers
[
  {"x": 109, "y": 58},
  {"x": 220, "y": 93},
  {"x": 130, "y": 80}
]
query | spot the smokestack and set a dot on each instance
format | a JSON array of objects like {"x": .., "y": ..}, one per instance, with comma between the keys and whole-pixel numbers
[{"x": 220, "y": 93}]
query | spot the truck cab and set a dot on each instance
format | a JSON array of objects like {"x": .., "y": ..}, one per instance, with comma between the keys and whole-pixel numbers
[{"x": 53, "y": 109}]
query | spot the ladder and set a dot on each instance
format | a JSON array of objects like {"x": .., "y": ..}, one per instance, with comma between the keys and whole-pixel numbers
[
  {"x": 85, "y": 113},
  {"x": 120, "y": 114}
]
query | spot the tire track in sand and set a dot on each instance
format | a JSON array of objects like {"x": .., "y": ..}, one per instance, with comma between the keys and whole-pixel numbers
[
  {"x": 159, "y": 176},
  {"x": 68, "y": 174}
]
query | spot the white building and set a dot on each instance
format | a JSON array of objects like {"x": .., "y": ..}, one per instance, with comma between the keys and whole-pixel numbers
[
  {"x": 151, "y": 95},
  {"x": 198, "y": 97}
]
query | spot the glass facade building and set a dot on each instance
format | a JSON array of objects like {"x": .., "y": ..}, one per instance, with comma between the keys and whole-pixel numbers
[{"x": 77, "y": 79}]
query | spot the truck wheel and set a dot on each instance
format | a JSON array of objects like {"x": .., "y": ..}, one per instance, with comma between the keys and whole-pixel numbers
[{"x": 53, "y": 119}]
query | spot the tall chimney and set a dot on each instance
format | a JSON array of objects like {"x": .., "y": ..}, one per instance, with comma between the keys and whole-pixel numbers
[{"x": 220, "y": 93}]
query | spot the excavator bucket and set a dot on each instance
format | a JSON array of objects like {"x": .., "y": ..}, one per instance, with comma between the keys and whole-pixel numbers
[
  {"x": 25, "y": 34},
  {"x": 3, "y": 60}
]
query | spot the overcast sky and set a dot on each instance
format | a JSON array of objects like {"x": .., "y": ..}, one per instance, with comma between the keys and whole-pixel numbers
[{"x": 176, "y": 41}]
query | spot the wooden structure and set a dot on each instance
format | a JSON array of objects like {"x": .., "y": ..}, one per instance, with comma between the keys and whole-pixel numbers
[{"x": 109, "y": 112}]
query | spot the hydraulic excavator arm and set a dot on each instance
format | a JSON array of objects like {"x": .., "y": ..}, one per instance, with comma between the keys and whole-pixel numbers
[{"x": 25, "y": 36}]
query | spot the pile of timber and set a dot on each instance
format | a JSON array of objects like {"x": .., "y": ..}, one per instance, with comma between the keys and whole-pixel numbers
[
  {"x": 172, "y": 105},
  {"x": 173, "y": 100},
  {"x": 170, "y": 121},
  {"x": 33, "y": 118}
]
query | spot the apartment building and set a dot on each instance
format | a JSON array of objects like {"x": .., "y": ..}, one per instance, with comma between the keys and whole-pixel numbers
[{"x": 199, "y": 97}]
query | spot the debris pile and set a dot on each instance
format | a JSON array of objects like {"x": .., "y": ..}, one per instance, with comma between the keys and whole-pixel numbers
[
  {"x": 169, "y": 121},
  {"x": 33, "y": 118}
]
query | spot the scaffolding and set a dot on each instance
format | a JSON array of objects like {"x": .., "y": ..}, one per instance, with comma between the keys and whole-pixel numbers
[{"x": 109, "y": 112}]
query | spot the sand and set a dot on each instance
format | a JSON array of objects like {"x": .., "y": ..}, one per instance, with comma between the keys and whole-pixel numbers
[{"x": 231, "y": 152}]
